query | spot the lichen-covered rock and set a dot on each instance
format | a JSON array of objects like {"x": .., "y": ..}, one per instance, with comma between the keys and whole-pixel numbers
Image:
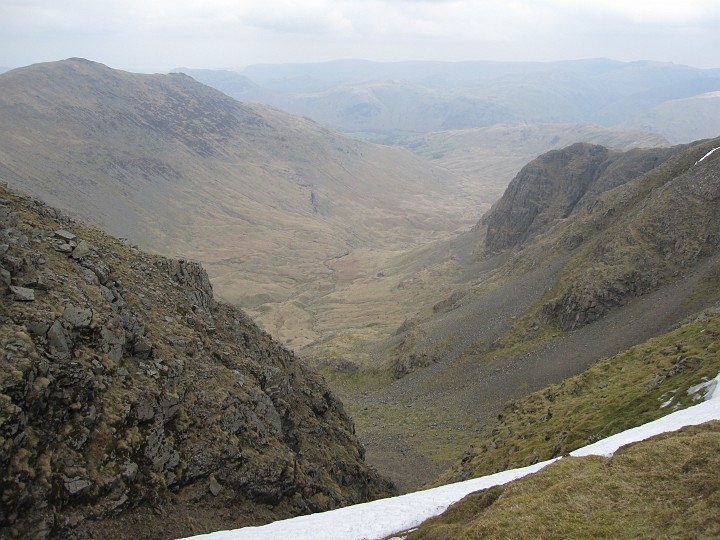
[{"x": 133, "y": 404}]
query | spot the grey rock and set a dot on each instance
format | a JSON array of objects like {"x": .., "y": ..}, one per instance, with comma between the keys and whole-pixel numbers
[
  {"x": 170, "y": 405},
  {"x": 91, "y": 416},
  {"x": 8, "y": 218},
  {"x": 112, "y": 342},
  {"x": 5, "y": 278},
  {"x": 64, "y": 248},
  {"x": 65, "y": 235},
  {"x": 15, "y": 265},
  {"x": 58, "y": 341},
  {"x": 21, "y": 294},
  {"x": 215, "y": 488},
  {"x": 159, "y": 452},
  {"x": 101, "y": 269},
  {"x": 107, "y": 294},
  {"x": 89, "y": 276},
  {"x": 83, "y": 249},
  {"x": 38, "y": 329},
  {"x": 144, "y": 412},
  {"x": 130, "y": 471},
  {"x": 142, "y": 347},
  {"x": 77, "y": 316},
  {"x": 76, "y": 485}
]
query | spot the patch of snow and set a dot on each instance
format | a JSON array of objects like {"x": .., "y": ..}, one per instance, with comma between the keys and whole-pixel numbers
[
  {"x": 706, "y": 155},
  {"x": 665, "y": 404},
  {"x": 382, "y": 518},
  {"x": 711, "y": 386},
  {"x": 376, "y": 519}
]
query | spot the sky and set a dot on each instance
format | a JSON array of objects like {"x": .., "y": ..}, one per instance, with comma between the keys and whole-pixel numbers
[{"x": 159, "y": 35}]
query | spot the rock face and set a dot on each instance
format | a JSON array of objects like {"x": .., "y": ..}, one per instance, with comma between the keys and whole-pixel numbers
[
  {"x": 550, "y": 188},
  {"x": 646, "y": 234},
  {"x": 132, "y": 403}
]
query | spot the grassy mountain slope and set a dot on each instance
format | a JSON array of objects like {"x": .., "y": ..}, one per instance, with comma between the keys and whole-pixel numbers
[
  {"x": 666, "y": 487},
  {"x": 265, "y": 199},
  {"x": 133, "y": 404},
  {"x": 614, "y": 269},
  {"x": 636, "y": 386}
]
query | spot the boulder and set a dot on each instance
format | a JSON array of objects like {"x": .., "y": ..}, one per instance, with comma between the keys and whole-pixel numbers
[
  {"x": 83, "y": 249},
  {"x": 78, "y": 317},
  {"x": 22, "y": 294},
  {"x": 62, "y": 234}
]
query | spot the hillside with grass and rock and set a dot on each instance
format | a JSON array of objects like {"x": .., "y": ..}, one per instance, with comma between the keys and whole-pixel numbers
[
  {"x": 371, "y": 262},
  {"x": 613, "y": 248},
  {"x": 134, "y": 404}
]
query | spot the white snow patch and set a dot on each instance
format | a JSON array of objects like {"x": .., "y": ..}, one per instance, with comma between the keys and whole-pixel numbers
[
  {"x": 378, "y": 519},
  {"x": 706, "y": 155},
  {"x": 666, "y": 403},
  {"x": 711, "y": 386}
]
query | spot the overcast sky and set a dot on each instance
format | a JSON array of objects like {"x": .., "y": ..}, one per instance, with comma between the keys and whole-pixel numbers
[{"x": 158, "y": 35}]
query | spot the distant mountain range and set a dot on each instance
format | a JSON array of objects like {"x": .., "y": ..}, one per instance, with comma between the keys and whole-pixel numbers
[
  {"x": 268, "y": 201},
  {"x": 420, "y": 97}
]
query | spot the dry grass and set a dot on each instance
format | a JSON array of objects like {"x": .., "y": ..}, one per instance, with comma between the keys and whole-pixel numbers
[{"x": 667, "y": 487}]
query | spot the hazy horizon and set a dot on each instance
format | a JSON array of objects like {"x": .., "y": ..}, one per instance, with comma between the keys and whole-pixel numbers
[{"x": 160, "y": 35}]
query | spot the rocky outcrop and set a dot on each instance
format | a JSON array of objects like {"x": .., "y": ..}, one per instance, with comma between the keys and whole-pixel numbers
[
  {"x": 128, "y": 395},
  {"x": 551, "y": 187},
  {"x": 661, "y": 227}
]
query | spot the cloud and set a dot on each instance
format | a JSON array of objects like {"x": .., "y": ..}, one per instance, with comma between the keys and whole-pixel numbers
[{"x": 224, "y": 33}]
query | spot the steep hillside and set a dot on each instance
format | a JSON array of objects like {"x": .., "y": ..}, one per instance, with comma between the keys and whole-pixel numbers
[
  {"x": 133, "y": 404},
  {"x": 587, "y": 229},
  {"x": 641, "y": 384},
  {"x": 551, "y": 187},
  {"x": 596, "y": 273},
  {"x": 617, "y": 497},
  {"x": 263, "y": 198}
]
